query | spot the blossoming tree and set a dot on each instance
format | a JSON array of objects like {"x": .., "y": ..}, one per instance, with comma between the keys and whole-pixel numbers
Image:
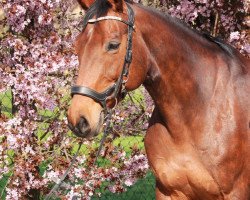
[{"x": 37, "y": 68}]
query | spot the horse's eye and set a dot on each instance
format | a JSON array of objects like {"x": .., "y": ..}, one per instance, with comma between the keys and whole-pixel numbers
[{"x": 112, "y": 46}]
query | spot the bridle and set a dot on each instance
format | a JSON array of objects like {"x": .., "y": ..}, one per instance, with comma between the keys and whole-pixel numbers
[{"x": 119, "y": 86}]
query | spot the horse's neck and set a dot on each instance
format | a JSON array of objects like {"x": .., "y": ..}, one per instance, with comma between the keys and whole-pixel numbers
[{"x": 174, "y": 73}]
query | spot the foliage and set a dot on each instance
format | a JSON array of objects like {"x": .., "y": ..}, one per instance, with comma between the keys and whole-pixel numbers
[{"x": 37, "y": 68}]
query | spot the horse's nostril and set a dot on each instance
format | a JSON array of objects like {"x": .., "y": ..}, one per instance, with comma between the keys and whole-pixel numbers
[
  {"x": 83, "y": 122},
  {"x": 83, "y": 127}
]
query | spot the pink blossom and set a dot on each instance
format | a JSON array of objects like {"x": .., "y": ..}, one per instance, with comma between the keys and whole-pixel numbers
[
  {"x": 12, "y": 194},
  {"x": 112, "y": 188},
  {"x": 53, "y": 176},
  {"x": 90, "y": 193},
  {"x": 247, "y": 48},
  {"x": 20, "y": 10},
  {"x": 129, "y": 182},
  {"x": 28, "y": 149}
]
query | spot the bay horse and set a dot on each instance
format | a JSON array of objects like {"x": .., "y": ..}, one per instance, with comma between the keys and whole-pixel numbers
[{"x": 198, "y": 138}]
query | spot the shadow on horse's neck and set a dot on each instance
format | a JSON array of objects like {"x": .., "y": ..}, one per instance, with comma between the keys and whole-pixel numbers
[{"x": 179, "y": 60}]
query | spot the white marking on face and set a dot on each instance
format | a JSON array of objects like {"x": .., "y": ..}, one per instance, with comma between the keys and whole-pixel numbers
[
  {"x": 112, "y": 26},
  {"x": 90, "y": 32}
]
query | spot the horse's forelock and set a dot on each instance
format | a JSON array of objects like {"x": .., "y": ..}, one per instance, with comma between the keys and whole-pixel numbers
[{"x": 97, "y": 9}]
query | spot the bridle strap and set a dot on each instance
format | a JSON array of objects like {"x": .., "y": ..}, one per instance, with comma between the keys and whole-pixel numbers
[
  {"x": 110, "y": 18},
  {"x": 113, "y": 91},
  {"x": 128, "y": 57}
]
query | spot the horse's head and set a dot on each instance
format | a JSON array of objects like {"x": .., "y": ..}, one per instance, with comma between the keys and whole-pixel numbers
[{"x": 103, "y": 51}]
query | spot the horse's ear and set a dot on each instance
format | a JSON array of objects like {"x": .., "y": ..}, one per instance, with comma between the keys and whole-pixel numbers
[
  {"x": 117, "y": 5},
  {"x": 85, "y": 4}
]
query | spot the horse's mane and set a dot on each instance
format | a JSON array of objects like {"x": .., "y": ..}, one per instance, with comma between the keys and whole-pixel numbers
[
  {"x": 100, "y": 8},
  {"x": 226, "y": 47}
]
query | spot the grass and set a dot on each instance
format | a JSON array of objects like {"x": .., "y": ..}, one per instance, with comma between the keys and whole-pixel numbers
[
  {"x": 127, "y": 142},
  {"x": 3, "y": 183},
  {"x": 143, "y": 189},
  {"x": 5, "y": 103}
]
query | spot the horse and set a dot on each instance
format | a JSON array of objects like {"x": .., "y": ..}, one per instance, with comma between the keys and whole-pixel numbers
[{"x": 198, "y": 139}]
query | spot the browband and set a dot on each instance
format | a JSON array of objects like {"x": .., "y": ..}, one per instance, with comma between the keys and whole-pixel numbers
[{"x": 111, "y": 18}]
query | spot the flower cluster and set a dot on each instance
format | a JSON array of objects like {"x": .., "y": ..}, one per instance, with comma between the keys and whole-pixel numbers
[
  {"x": 240, "y": 41},
  {"x": 84, "y": 179},
  {"x": 119, "y": 177},
  {"x": 22, "y": 15}
]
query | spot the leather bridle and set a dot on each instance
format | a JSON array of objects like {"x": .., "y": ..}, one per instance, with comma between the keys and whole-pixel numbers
[{"x": 119, "y": 86}]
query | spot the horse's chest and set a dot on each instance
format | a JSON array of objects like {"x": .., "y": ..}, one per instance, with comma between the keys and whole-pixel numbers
[{"x": 179, "y": 168}]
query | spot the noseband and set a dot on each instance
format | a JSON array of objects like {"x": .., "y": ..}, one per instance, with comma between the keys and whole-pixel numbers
[{"x": 113, "y": 91}]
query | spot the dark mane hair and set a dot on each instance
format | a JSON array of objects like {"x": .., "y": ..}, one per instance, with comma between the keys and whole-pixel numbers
[
  {"x": 97, "y": 9},
  {"x": 223, "y": 45}
]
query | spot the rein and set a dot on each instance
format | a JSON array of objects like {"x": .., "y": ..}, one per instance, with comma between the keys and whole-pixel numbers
[
  {"x": 119, "y": 86},
  {"x": 57, "y": 185}
]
